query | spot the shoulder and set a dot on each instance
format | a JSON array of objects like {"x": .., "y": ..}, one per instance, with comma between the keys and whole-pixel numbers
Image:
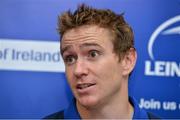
[
  {"x": 140, "y": 113},
  {"x": 152, "y": 116},
  {"x": 57, "y": 115}
]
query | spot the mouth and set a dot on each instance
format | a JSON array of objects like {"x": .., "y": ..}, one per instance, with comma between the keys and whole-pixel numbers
[{"x": 84, "y": 85}]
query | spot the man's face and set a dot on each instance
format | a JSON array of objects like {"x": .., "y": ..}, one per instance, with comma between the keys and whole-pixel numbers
[{"x": 92, "y": 68}]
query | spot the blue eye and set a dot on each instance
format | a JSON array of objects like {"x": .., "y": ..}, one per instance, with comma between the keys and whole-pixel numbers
[
  {"x": 70, "y": 59},
  {"x": 93, "y": 53}
]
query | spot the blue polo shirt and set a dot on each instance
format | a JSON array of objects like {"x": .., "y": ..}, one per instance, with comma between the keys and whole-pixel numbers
[{"x": 72, "y": 113}]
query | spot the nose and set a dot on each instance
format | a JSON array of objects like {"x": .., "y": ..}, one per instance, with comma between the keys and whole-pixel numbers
[{"x": 80, "y": 68}]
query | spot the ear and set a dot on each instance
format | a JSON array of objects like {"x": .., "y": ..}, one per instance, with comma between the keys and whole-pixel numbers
[{"x": 129, "y": 61}]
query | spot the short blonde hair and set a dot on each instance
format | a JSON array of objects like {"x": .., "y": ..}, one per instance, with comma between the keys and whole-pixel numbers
[{"x": 85, "y": 15}]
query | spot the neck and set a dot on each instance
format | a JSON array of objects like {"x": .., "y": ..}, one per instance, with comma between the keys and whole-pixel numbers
[{"x": 116, "y": 107}]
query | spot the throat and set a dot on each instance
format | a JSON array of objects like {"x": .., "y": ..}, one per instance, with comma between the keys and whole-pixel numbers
[{"x": 106, "y": 112}]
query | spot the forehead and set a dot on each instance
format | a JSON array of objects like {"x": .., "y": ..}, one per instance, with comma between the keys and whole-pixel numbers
[{"x": 86, "y": 34}]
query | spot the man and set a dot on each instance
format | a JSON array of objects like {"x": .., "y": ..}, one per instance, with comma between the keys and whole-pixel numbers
[{"x": 97, "y": 47}]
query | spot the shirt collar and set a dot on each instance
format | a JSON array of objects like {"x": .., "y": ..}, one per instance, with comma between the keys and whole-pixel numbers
[{"x": 138, "y": 112}]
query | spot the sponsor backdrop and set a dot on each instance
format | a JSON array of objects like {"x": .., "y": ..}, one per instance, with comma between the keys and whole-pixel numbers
[{"x": 32, "y": 79}]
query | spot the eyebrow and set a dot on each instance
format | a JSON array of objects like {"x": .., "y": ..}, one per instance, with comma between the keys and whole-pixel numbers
[
  {"x": 65, "y": 49},
  {"x": 81, "y": 46}
]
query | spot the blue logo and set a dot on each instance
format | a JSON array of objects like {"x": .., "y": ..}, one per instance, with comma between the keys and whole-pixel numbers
[{"x": 163, "y": 68}]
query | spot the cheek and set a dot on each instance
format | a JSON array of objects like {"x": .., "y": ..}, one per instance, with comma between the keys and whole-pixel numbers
[
  {"x": 108, "y": 71},
  {"x": 69, "y": 76}
]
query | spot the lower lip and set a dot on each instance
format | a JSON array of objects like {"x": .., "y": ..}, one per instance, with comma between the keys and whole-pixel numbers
[{"x": 86, "y": 90}]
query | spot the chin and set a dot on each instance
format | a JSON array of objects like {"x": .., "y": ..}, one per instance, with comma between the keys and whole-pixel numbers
[{"x": 88, "y": 102}]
